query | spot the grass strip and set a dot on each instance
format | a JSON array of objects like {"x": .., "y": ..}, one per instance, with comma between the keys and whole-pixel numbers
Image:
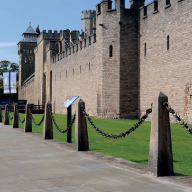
[{"x": 134, "y": 147}]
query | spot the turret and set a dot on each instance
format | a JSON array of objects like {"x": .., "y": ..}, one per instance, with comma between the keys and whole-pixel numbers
[
  {"x": 87, "y": 18},
  {"x": 135, "y": 4}
]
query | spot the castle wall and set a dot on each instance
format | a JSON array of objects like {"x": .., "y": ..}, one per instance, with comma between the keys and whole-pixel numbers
[
  {"x": 118, "y": 28},
  {"x": 40, "y": 64},
  {"x": 163, "y": 69},
  {"x": 27, "y": 92},
  {"x": 76, "y": 74}
]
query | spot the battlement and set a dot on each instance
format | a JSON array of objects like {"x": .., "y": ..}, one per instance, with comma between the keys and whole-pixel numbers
[
  {"x": 106, "y": 6},
  {"x": 88, "y": 14},
  {"x": 64, "y": 34},
  {"x": 160, "y": 6},
  {"x": 74, "y": 49},
  {"x": 48, "y": 36}
]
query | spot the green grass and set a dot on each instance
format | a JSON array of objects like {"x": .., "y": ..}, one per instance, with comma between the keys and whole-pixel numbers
[{"x": 134, "y": 147}]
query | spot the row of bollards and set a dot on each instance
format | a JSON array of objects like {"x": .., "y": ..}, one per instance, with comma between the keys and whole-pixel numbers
[
  {"x": 81, "y": 134},
  {"x": 160, "y": 153}
]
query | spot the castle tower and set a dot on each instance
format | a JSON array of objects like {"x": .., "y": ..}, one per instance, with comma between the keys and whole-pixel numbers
[
  {"x": 26, "y": 54},
  {"x": 117, "y": 52},
  {"x": 87, "y": 18},
  {"x": 135, "y": 4}
]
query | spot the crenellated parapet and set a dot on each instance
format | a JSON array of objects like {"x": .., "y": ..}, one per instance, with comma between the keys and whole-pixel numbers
[
  {"x": 74, "y": 49},
  {"x": 48, "y": 36},
  {"x": 160, "y": 6},
  {"x": 88, "y": 14}
]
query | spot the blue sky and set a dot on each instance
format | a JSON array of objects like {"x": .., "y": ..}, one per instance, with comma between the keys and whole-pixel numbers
[{"x": 48, "y": 14}]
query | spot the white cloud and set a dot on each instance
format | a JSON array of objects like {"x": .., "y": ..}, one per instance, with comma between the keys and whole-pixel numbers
[{"x": 8, "y": 44}]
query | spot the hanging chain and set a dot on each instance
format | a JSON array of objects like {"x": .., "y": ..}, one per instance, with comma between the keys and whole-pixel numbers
[
  {"x": 177, "y": 117},
  {"x": 123, "y": 134},
  {"x": 17, "y": 111},
  {"x": 31, "y": 115},
  {"x": 11, "y": 118},
  {"x": 56, "y": 126}
]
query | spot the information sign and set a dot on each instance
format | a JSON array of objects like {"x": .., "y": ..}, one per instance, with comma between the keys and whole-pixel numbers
[{"x": 69, "y": 101}]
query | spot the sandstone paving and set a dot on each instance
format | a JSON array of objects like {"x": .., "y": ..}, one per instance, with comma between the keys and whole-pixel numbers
[{"x": 30, "y": 163}]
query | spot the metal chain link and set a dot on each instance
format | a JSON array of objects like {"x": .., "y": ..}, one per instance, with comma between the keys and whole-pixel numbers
[
  {"x": 11, "y": 118},
  {"x": 177, "y": 117},
  {"x": 56, "y": 126},
  {"x": 19, "y": 116},
  {"x": 31, "y": 115},
  {"x": 123, "y": 134}
]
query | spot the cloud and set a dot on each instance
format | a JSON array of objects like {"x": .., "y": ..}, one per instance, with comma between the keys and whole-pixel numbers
[{"x": 8, "y": 44}]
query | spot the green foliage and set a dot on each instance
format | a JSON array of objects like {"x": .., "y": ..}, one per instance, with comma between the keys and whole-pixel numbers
[
  {"x": 7, "y": 66},
  {"x": 134, "y": 147}
]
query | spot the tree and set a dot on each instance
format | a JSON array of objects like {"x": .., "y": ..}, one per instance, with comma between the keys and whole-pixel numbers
[{"x": 7, "y": 66}]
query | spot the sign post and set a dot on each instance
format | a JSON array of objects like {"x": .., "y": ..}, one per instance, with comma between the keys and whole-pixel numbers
[
  {"x": 67, "y": 104},
  {"x": 68, "y": 123}
]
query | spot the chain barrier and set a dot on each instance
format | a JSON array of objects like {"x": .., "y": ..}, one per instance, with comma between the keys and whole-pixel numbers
[
  {"x": 56, "y": 126},
  {"x": 148, "y": 111},
  {"x": 31, "y": 115},
  {"x": 19, "y": 116},
  {"x": 177, "y": 117},
  {"x": 11, "y": 118}
]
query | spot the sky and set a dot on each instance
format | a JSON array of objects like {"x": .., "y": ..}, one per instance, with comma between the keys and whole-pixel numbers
[{"x": 48, "y": 14}]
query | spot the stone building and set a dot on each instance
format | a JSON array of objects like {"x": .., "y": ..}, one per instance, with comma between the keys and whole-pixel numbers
[{"x": 134, "y": 54}]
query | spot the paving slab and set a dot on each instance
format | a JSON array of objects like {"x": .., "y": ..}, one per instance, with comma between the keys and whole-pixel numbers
[{"x": 30, "y": 163}]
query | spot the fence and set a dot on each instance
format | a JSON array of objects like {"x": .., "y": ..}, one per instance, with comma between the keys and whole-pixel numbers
[{"x": 160, "y": 153}]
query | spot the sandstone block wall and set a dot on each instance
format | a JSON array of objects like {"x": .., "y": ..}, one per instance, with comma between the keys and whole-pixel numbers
[
  {"x": 163, "y": 69},
  {"x": 76, "y": 74}
]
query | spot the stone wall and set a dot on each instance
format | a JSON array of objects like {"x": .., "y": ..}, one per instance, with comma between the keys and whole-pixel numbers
[
  {"x": 76, "y": 74},
  {"x": 166, "y": 69},
  {"x": 27, "y": 91}
]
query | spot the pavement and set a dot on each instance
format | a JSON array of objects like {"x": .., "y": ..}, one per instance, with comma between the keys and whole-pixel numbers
[{"x": 29, "y": 163}]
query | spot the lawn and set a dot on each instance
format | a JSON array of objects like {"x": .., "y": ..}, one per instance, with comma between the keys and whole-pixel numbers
[{"x": 134, "y": 147}]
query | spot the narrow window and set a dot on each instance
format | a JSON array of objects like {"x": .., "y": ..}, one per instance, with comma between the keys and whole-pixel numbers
[
  {"x": 99, "y": 8},
  {"x": 168, "y": 2},
  {"x": 109, "y": 4},
  {"x": 155, "y": 5},
  {"x": 94, "y": 37},
  {"x": 110, "y": 51},
  {"x": 145, "y": 49},
  {"x": 168, "y": 42},
  {"x": 145, "y": 11}
]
